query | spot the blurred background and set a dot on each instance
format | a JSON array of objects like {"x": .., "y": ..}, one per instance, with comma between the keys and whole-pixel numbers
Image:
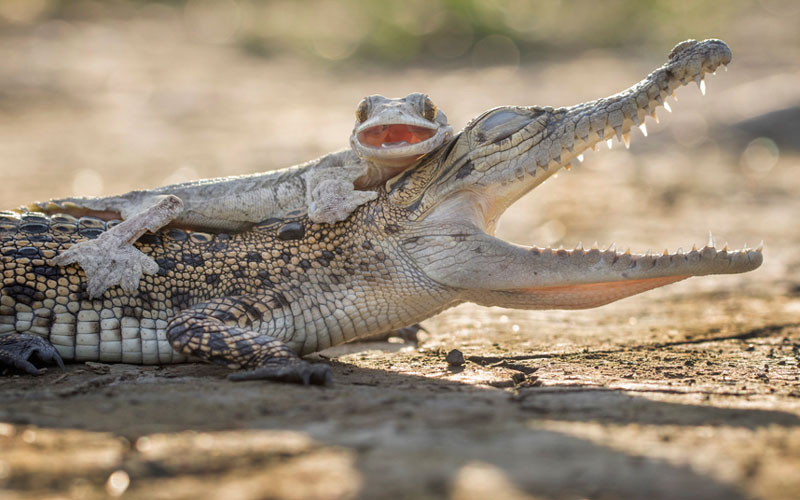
[{"x": 101, "y": 97}]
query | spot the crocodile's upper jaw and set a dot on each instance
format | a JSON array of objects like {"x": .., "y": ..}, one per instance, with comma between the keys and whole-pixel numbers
[{"x": 508, "y": 151}]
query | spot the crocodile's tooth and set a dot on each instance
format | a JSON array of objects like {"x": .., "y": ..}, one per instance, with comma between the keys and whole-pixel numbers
[
  {"x": 694, "y": 247},
  {"x": 612, "y": 247},
  {"x": 594, "y": 147},
  {"x": 711, "y": 243},
  {"x": 579, "y": 246},
  {"x": 674, "y": 96},
  {"x": 595, "y": 246},
  {"x": 660, "y": 100},
  {"x": 648, "y": 253},
  {"x": 627, "y": 251},
  {"x": 725, "y": 248},
  {"x": 666, "y": 106},
  {"x": 580, "y": 157},
  {"x": 702, "y": 84},
  {"x": 665, "y": 253},
  {"x": 609, "y": 143},
  {"x": 567, "y": 166},
  {"x": 679, "y": 251},
  {"x": 654, "y": 115},
  {"x": 626, "y": 138},
  {"x": 760, "y": 247},
  {"x": 643, "y": 128},
  {"x": 725, "y": 67}
]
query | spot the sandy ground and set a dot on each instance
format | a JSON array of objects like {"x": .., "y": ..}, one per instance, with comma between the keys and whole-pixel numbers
[{"x": 692, "y": 391}]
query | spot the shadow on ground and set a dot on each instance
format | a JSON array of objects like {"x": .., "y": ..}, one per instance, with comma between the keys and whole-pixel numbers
[{"x": 186, "y": 430}]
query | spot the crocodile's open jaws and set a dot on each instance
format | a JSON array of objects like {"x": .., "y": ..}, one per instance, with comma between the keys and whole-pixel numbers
[{"x": 507, "y": 152}]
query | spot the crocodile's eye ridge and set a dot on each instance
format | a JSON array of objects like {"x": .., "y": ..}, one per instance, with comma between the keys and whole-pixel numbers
[
  {"x": 428, "y": 109},
  {"x": 362, "y": 111}
]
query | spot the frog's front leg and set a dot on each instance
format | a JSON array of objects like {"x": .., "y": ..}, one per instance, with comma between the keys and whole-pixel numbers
[
  {"x": 111, "y": 259},
  {"x": 331, "y": 196}
]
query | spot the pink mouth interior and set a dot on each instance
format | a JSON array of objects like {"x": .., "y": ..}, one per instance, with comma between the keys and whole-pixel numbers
[{"x": 385, "y": 136}]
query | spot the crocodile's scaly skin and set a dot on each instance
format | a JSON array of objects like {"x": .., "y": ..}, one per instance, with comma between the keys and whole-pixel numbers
[
  {"x": 287, "y": 286},
  {"x": 309, "y": 286}
]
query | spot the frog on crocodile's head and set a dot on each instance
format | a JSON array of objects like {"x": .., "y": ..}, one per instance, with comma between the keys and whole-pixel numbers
[{"x": 391, "y": 134}]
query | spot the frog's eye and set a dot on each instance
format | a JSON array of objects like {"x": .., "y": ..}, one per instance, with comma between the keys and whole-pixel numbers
[
  {"x": 362, "y": 111},
  {"x": 428, "y": 109}
]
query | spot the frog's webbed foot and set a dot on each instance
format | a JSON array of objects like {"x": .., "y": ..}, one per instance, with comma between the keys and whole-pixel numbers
[
  {"x": 17, "y": 351},
  {"x": 111, "y": 259},
  {"x": 334, "y": 200},
  {"x": 108, "y": 261}
]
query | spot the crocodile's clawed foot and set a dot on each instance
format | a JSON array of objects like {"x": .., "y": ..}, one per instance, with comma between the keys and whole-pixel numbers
[
  {"x": 17, "y": 351},
  {"x": 108, "y": 261},
  {"x": 294, "y": 372},
  {"x": 408, "y": 334}
]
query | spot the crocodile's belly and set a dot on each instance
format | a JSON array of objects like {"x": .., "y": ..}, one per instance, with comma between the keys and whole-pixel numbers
[{"x": 94, "y": 330}]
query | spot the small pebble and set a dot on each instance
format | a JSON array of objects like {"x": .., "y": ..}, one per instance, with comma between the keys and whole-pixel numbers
[{"x": 455, "y": 358}]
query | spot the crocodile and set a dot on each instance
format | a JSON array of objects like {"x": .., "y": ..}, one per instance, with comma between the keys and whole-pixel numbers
[
  {"x": 389, "y": 135},
  {"x": 257, "y": 300}
]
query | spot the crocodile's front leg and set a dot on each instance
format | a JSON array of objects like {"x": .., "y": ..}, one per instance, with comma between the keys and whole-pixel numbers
[
  {"x": 224, "y": 331},
  {"x": 111, "y": 259}
]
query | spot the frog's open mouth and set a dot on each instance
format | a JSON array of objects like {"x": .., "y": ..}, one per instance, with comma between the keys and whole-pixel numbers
[{"x": 394, "y": 136}]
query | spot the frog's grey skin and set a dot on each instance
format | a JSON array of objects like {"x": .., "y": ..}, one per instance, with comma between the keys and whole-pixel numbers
[
  {"x": 328, "y": 189},
  {"x": 388, "y": 137}
]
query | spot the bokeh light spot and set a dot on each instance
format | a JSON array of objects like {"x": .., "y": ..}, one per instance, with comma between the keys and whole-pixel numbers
[
  {"x": 495, "y": 50},
  {"x": 760, "y": 157},
  {"x": 87, "y": 182}
]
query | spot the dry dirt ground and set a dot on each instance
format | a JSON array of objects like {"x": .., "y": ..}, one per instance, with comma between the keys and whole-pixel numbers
[{"x": 691, "y": 391}]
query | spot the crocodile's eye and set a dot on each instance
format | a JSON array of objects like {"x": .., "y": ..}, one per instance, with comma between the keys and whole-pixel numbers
[
  {"x": 362, "y": 111},
  {"x": 428, "y": 109}
]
